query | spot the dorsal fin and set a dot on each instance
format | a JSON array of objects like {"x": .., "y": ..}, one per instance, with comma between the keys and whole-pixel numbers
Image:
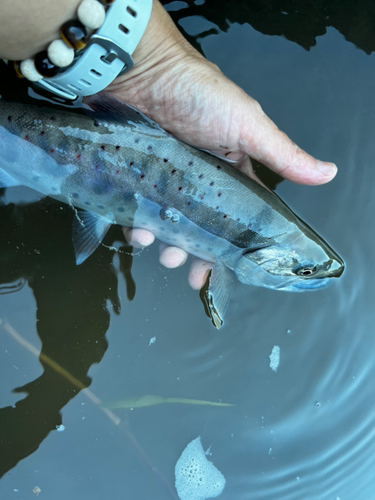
[{"x": 111, "y": 109}]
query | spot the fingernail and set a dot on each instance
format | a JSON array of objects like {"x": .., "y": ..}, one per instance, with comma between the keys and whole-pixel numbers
[{"x": 327, "y": 168}]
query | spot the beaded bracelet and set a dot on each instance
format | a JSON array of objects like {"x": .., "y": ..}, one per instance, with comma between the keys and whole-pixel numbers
[{"x": 92, "y": 50}]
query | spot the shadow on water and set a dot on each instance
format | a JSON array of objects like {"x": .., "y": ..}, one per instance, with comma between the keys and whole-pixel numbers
[
  {"x": 72, "y": 315},
  {"x": 299, "y": 22}
]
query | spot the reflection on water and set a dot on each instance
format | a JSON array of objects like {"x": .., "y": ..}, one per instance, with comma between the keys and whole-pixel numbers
[
  {"x": 305, "y": 431},
  {"x": 299, "y": 22}
]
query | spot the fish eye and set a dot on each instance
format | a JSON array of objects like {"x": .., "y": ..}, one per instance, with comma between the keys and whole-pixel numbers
[{"x": 305, "y": 270}]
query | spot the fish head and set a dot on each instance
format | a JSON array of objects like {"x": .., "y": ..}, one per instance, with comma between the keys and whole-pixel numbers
[{"x": 296, "y": 261}]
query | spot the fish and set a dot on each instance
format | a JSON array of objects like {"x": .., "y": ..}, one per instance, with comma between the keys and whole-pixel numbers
[
  {"x": 114, "y": 165},
  {"x": 152, "y": 400}
]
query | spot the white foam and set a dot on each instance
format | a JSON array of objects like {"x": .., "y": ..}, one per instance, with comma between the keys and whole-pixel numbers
[
  {"x": 196, "y": 477},
  {"x": 275, "y": 358}
]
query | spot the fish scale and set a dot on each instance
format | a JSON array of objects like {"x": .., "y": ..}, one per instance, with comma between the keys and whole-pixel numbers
[{"x": 122, "y": 168}]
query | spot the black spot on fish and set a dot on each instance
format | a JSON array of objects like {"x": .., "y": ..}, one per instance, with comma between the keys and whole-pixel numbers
[
  {"x": 131, "y": 163},
  {"x": 87, "y": 203},
  {"x": 173, "y": 171},
  {"x": 201, "y": 197},
  {"x": 217, "y": 208},
  {"x": 189, "y": 202},
  {"x": 26, "y": 137},
  {"x": 218, "y": 167},
  {"x": 212, "y": 183},
  {"x": 42, "y": 132},
  {"x": 36, "y": 178},
  {"x": 131, "y": 219},
  {"x": 100, "y": 206},
  {"x": 102, "y": 147},
  {"x": 149, "y": 148},
  {"x": 219, "y": 194},
  {"x": 136, "y": 140},
  {"x": 180, "y": 188},
  {"x": 224, "y": 216},
  {"x": 165, "y": 160},
  {"x": 238, "y": 220},
  {"x": 190, "y": 163},
  {"x": 117, "y": 148},
  {"x": 51, "y": 150},
  {"x": 155, "y": 186},
  {"x": 75, "y": 195},
  {"x": 201, "y": 176},
  {"x": 9, "y": 119},
  {"x": 121, "y": 209},
  {"x": 52, "y": 118},
  {"x": 78, "y": 156},
  {"x": 142, "y": 176}
]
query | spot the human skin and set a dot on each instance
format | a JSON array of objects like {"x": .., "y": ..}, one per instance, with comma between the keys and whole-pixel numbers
[{"x": 183, "y": 92}]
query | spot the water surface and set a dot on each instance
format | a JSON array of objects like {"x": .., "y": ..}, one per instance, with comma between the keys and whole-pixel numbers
[{"x": 304, "y": 431}]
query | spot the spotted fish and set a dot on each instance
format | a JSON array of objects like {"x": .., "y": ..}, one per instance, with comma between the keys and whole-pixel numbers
[{"x": 119, "y": 167}]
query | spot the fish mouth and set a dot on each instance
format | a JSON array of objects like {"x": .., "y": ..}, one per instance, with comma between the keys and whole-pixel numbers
[{"x": 307, "y": 285}]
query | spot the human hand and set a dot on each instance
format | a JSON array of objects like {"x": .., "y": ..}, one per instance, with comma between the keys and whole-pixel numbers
[{"x": 189, "y": 96}]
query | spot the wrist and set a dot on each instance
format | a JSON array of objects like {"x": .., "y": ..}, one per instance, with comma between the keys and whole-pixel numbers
[
  {"x": 159, "y": 46},
  {"x": 92, "y": 50}
]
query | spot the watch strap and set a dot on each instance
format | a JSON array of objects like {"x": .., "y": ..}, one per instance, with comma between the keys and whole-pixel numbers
[{"x": 108, "y": 53}]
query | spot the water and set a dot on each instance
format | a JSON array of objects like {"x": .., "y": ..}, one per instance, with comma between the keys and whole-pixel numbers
[{"x": 305, "y": 431}]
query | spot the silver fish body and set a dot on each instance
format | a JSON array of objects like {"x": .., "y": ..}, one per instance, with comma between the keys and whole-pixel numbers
[{"x": 121, "y": 168}]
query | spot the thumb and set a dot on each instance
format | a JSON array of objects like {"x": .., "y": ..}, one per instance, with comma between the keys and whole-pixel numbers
[{"x": 263, "y": 141}]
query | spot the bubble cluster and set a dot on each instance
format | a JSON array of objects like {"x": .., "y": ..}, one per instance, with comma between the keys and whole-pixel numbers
[{"x": 196, "y": 477}]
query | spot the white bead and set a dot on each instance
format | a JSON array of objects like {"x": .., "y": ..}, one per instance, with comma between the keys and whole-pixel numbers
[
  {"x": 60, "y": 54},
  {"x": 91, "y": 14},
  {"x": 29, "y": 71}
]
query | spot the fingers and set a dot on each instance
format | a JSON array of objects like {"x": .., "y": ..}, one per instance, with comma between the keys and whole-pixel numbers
[
  {"x": 138, "y": 238},
  {"x": 262, "y": 140},
  {"x": 172, "y": 257},
  {"x": 199, "y": 270}
]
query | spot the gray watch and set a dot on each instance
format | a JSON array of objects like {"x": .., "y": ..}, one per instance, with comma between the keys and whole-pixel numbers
[{"x": 108, "y": 53}]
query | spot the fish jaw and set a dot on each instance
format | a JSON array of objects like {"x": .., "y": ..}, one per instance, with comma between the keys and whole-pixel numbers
[{"x": 306, "y": 285}]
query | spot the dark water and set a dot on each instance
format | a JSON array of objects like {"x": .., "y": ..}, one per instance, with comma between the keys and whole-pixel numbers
[{"x": 306, "y": 431}]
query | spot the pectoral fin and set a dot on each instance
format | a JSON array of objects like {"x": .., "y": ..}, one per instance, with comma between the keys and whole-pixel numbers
[
  {"x": 89, "y": 230},
  {"x": 220, "y": 288}
]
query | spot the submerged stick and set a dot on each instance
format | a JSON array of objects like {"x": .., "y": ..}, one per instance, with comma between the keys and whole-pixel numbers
[{"x": 152, "y": 400}]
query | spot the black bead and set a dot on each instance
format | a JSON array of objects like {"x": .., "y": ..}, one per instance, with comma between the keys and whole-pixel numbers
[
  {"x": 44, "y": 65},
  {"x": 16, "y": 66},
  {"x": 74, "y": 34}
]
